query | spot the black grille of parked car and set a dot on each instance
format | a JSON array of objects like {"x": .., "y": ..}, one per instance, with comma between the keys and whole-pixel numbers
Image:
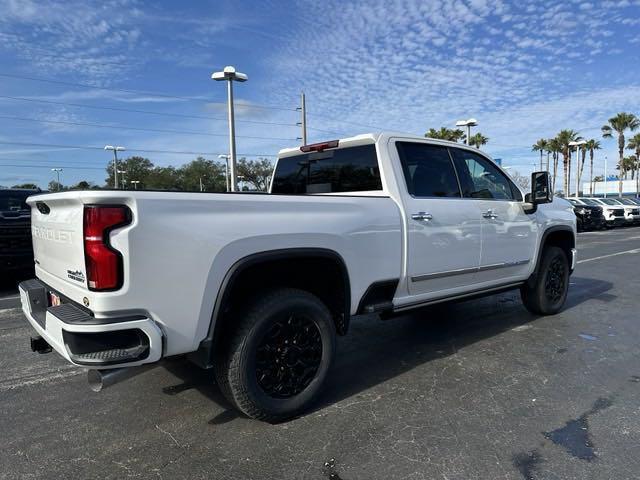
[
  {"x": 618, "y": 212},
  {"x": 635, "y": 211},
  {"x": 15, "y": 238}
]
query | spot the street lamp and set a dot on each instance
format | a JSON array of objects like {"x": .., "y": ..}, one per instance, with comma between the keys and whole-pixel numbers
[
  {"x": 122, "y": 172},
  {"x": 201, "y": 186},
  {"x": 57, "y": 170},
  {"x": 577, "y": 144},
  {"x": 135, "y": 183},
  {"x": 115, "y": 162},
  {"x": 472, "y": 122},
  {"x": 226, "y": 169},
  {"x": 229, "y": 74}
]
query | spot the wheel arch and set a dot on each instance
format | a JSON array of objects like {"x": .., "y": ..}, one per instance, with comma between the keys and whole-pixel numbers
[
  {"x": 559, "y": 236},
  {"x": 283, "y": 268}
]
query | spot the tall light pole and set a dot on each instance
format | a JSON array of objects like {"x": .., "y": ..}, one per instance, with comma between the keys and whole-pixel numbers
[
  {"x": 472, "y": 122},
  {"x": 135, "y": 183},
  {"x": 57, "y": 170},
  {"x": 229, "y": 74},
  {"x": 122, "y": 172},
  {"x": 226, "y": 169},
  {"x": 303, "y": 122},
  {"x": 201, "y": 186},
  {"x": 577, "y": 144},
  {"x": 605, "y": 176},
  {"x": 115, "y": 162}
]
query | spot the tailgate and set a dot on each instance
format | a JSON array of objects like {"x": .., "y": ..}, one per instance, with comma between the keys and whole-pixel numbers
[{"x": 57, "y": 232}]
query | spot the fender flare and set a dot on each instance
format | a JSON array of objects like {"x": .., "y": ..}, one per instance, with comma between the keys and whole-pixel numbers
[
  {"x": 543, "y": 240},
  {"x": 203, "y": 355}
]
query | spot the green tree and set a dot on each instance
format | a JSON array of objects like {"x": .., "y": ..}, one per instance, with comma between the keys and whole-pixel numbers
[
  {"x": 553, "y": 144},
  {"x": 592, "y": 145},
  {"x": 629, "y": 164},
  {"x": 634, "y": 144},
  {"x": 202, "y": 175},
  {"x": 540, "y": 146},
  {"x": 135, "y": 168},
  {"x": 598, "y": 178},
  {"x": 29, "y": 186},
  {"x": 82, "y": 185},
  {"x": 256, "y": 172},
  {"x": 446, "y": 134},
  {"x": 478, "y": 140},
  {"x": 564, "y": 138},
  {"x": 54, "y": 186},
  {"x": 161, "y": 178},
  {"x": 620, "y": 123}
]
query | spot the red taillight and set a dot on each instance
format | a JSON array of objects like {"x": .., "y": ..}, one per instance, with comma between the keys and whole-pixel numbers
[
  {"x": 104, "y": 263},
  {"x": 318, "y": 147}
]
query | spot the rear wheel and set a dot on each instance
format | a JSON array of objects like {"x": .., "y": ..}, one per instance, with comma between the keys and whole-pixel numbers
[
  {"x": 549, "y": 292},
  {"x": 274, "y": 362}
]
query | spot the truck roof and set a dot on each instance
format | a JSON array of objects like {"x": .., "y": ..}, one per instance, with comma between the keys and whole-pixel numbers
[{"x": 373, "y": 137}]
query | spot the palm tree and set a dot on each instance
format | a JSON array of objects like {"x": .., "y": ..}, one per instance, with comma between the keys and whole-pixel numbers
[
  {"x": 592, "y": 145},
  {"x": 540, "y": 146},
  {"x": 564, "y": 138},
  {"x": 554, "y": 148},
  {"x": 445, "y": 134},
  {"x": 478, "y": 140},
  {"x": 621, "y": 122},
  {"x": 634, "y": 144}
]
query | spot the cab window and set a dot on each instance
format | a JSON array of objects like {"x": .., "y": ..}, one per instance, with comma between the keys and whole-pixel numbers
[
  {"x": 480, "y": 178},
  {"x": 428, "y": 170}
]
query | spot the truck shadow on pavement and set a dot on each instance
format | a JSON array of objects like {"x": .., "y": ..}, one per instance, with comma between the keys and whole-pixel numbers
[{"x": 375, "y": 351}]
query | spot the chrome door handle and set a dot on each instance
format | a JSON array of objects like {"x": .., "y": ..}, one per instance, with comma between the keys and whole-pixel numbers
[
  {"x": 422, "y": 216},
  {"x": 490, "y": 214}
]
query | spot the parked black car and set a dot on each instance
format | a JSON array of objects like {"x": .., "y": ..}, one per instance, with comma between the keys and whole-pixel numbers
[
  {"x": 16, "y": 252},
  {"x": 588, "y": 217}
]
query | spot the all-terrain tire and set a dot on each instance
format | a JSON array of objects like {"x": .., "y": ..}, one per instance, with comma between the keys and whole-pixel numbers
[
  {"x": 547, "y": 295},
  {"x": 264, "y": 331}
]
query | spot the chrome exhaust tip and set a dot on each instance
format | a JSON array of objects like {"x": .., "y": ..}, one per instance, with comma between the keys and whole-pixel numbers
[{"x": 100, "y": 379}]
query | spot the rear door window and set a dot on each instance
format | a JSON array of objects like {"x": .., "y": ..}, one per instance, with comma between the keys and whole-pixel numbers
[
  {"x": 428, "y": 170},
  {"x": 349, "y": 169}
]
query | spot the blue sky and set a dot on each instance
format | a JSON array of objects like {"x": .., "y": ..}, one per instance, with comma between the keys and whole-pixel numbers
[{"x": 523, "y": 69}]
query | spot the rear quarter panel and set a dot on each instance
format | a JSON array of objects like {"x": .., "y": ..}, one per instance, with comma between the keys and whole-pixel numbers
[{"x": 181, "y": 245}]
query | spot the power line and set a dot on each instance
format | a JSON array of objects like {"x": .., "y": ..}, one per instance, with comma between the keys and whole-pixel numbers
[
  {"x": 139, "y": 92},
  {"x": 148, "y": 112},
  {"x": 344, "y": 121},
  {"x": 49, "y": 166},
  {"x": 84, "y": 147},
  {"x": 125, "y": 127}
]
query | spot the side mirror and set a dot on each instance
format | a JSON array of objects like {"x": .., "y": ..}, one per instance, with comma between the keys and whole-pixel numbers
[{"x": 541, "y": 191}]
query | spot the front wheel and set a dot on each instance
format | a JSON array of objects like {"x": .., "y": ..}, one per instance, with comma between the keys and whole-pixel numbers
[
  {"x": 549, "y": 292},
  {"x": 275, "y": 360}
]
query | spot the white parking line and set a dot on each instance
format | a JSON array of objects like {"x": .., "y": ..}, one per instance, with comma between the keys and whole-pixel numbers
[{"x": 635, "y": 250}]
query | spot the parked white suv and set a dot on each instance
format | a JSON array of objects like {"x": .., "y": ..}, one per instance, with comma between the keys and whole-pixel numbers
[
  {"x": 614, "y": 213},
  {"x": 258, "y": 286}
]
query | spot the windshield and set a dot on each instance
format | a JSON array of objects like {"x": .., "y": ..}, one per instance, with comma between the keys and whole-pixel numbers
[
  {"x": 14, "y": 201},
  {"x": 588, "y": 201},
  {"x": 610, "y": 201},
  {"x": 575, "y": 201},
  {"x": 628, "y": 201}
]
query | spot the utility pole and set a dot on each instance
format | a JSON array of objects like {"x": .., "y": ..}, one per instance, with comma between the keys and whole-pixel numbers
[
  {"x": 115, "y": 162},
  {"x": 57, "y": 170},
  {"x": 303, "y": 123}
]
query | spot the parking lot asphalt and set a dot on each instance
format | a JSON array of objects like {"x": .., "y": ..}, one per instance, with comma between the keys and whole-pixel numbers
[{"x": 476, "y": 390}]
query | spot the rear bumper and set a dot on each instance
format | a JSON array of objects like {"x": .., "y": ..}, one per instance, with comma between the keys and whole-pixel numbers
[{"x": 84, "y": 340}]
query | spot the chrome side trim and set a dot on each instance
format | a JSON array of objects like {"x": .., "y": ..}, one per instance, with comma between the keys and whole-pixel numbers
[{"x": 462, "y": 271}]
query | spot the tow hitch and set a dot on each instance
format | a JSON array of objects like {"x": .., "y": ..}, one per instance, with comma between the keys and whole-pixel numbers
[{"x": 40, "y": 345}]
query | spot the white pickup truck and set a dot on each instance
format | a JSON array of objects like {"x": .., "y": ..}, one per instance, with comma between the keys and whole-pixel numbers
[{"x": 257, "y": 286}]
